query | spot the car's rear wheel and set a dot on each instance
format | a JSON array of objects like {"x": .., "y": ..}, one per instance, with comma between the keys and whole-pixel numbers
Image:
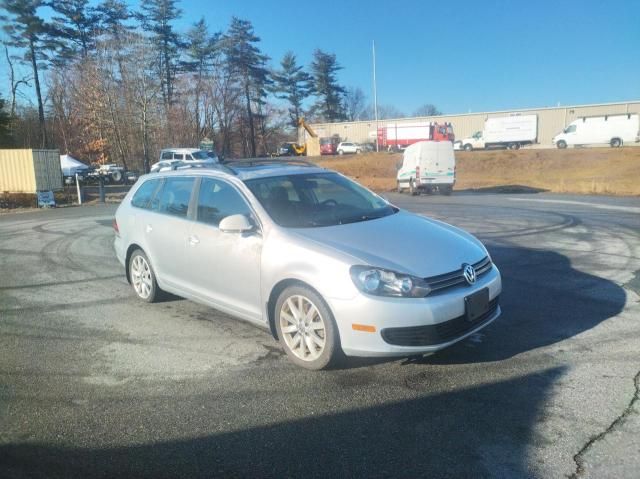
[
  {"x": 143, "y": 279},
  {"x": 306, "y": 328},
  {"x": 616, "y": 143},
  {"x": 400, "y": 188},
  {"x": 468, "y": 147}
]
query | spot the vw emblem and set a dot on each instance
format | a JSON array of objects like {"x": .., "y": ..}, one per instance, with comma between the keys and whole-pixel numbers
[{"x": 469, "y": 273}]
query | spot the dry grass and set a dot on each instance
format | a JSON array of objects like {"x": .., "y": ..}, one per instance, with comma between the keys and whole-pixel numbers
[{"x": 585, "y": 170}]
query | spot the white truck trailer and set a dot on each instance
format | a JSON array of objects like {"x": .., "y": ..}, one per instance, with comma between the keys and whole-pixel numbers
[
  {"x": 612, "y": 130},
  {"x": 504, "y": 132}
]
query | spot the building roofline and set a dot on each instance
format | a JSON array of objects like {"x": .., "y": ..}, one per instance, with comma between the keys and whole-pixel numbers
[{"x": 519, "y": 110}]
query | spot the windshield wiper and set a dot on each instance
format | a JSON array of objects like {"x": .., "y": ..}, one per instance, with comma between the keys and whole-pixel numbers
[{"x": 357, "y": 219}]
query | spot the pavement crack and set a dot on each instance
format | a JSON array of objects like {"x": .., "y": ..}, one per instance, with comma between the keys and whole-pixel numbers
[{"x": 579, "y": 457}]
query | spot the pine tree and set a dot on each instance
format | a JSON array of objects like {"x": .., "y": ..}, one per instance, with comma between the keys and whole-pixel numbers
[
  {"x": 75, "y": 26},
  {"x": 112, "y": 15},
  {"x": 200, "y": 51},
  {"x": 293, "y": 84},
  {"x": 248, "y": 63},
  {"x": 29, "y": 32},
  {"x": 325, "y": 85},
  {"x": 157, "y": 17},
  {"x": 5, "y": 125}
]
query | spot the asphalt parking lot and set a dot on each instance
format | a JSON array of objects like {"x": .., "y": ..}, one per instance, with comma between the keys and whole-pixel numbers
[{"x": 94, "y": 383}]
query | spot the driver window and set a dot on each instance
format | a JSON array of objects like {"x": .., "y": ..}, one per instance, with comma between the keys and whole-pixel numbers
[
  {"x": 570, "y": 129},
  {"x": 218, "y": 199}
]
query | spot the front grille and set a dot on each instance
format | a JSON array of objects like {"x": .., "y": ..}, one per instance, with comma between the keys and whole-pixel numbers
[
  {"x": 433, "y": 334},
  {"x": 448, "y": 280}
]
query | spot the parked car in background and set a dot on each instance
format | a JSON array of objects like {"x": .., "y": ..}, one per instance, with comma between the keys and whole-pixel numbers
[
  {"x": 348, "y": 147},
  {"x": 612, "y": 130},
  {"x": 171, "y": 156},
  {"x": 427, "y": 166},
  {"x": 327, "y": 266},
  {"x": 329, "y": 145}
]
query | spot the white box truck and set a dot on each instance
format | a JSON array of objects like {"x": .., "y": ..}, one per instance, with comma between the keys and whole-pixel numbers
[
  {"x": 613, "y": 130},
  {"x": 427, "y": 166},
  {"x": 510, "y": 132}
]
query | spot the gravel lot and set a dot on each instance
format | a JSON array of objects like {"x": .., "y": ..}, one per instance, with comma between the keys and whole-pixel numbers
[{"x": 94, "y": 383}]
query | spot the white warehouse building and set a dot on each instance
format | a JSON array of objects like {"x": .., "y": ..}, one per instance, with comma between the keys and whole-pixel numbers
[{"x": 551, "y": 121}]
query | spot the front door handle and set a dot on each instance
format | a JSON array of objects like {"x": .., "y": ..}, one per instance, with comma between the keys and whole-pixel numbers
[
  {"x": 149, "y": 228},
  {"x": 193, "y": 240}
]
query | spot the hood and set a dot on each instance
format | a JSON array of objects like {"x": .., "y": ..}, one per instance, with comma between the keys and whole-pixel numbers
[{"x": 403, "y": 242}]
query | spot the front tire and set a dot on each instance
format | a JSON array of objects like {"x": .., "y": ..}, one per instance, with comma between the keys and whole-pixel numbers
[
  {"x": 142, "y": 277},
  {"x": 616, "y": 143},
  {"x": 412, "y": 188},
  {"x": 340, "y": 152},
  {"x": 561, "y": 144},
  {"x": 400, "y": 189},
  {"x": 468, "y": 147},
  {"x": 306, "y": 328}
]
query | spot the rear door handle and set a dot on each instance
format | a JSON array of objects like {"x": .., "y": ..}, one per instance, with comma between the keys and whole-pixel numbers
[
  {"x": 193, "y": 240},
  {"x": 149, "y": 228}
]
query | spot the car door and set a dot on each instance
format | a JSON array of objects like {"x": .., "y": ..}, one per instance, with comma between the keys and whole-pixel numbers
[
  {"x": 166, "y": 230},
  {"x": 224, "y": 267}
]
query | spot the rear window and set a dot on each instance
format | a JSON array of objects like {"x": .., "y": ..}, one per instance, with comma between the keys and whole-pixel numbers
[
  {"x": 142, "y": 198},
  {"x": 175, "y": 196}
]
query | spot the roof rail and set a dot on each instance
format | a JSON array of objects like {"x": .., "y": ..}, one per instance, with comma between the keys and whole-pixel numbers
[
  {"x": 266, "y": 161},
  {"x": 183, "y": 165}
]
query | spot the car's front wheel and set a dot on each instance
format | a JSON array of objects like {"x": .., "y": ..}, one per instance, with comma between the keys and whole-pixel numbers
[
  {"x": 142, "y": 277},
  {"x": 306, "y": 328},
  {"x": 340, "y": 152}
]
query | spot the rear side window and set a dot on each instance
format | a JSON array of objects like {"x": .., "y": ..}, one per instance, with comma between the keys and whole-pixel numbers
[
  {"x": 166, "y": 155},
  {"x": 175, "y": 196},
  {"x": 218, "y": 199},
  {"x": 178, "y": 156},
  {"x": 142, "y": 198}
]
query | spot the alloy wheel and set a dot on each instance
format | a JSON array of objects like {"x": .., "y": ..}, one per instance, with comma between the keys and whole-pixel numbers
[{"x": 303, "y": 328}]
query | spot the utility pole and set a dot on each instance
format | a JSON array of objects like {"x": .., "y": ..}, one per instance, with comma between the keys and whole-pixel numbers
[{"x": 375, "y": 93}]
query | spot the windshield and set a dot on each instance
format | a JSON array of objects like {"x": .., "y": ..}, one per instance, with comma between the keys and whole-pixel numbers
[
  {"x": 317, "y": 199},
  {"x": 200, "y": 155}
]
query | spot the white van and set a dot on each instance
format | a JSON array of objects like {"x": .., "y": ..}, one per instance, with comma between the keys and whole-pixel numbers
[
  {"x": 613, "y": 130},
  {"x": 171, "y": 156},
  {"x": 427, "y": 166}
]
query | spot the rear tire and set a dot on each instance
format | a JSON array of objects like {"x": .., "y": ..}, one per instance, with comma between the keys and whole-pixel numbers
[
  {"x": 117, "y": 176},
  {"x": 468, "y": 147},
  {"x": 306, "y": 328},
  {"x": 514, "y": 146},
  {"x": 616, "y": 143},
  {"x": 446, "y": 190},
  {"x": 399, "y": 188},
  {"x": 142, "y": 277}
]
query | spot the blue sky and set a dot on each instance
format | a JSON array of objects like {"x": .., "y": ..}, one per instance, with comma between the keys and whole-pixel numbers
[{"x": 459, "y": 55}]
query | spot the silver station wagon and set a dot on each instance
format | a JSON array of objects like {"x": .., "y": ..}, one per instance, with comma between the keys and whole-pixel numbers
[{"x": 327, "y": 266}]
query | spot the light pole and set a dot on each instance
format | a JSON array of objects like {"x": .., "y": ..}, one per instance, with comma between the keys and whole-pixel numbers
[{"x": 375, "y": 93}]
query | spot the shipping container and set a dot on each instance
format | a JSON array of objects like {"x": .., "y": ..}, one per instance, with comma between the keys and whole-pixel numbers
[{"x": 30, "y": 171}]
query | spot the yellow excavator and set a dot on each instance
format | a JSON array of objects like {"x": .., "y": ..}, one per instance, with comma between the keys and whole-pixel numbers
[{"x": 311, "y": 147}]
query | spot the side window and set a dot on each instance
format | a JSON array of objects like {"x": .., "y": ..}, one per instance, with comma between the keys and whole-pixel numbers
[
  {"x": 218, "y": 199},
  {"x": 143, "y": 197},
  {"x": 189, "y": 158},
  {"x": 570, "y": 129},
  {"x": 175, "y": 196},
  {"x": 166, "y": 155},
  {"x": 178, "y": 156}
]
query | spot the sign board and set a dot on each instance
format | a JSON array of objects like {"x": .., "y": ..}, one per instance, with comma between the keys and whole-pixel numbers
[{"x": 46, "y": 199}]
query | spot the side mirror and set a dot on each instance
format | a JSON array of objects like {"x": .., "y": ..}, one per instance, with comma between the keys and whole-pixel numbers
[{"x": 235, "y": 224}]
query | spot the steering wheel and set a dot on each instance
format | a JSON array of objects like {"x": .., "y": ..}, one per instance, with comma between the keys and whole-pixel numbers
[{"x": 329, "y": 202}]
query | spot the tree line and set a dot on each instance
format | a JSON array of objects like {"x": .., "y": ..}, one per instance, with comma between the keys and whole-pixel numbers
[{"x": 116, "y": 84}]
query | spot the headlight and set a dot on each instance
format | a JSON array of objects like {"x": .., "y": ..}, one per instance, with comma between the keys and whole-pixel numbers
[{"x": 382, "y": 282}]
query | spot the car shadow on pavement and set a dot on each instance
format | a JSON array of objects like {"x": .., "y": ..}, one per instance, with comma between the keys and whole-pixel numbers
[
  {"x": 544, "y": 301},
  {"x": 485, "y": 430}
]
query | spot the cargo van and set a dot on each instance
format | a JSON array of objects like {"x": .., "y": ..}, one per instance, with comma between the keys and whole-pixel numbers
[
  {"x": 427, "y": 166},
  {"x": 510, "y": 132},
  {"x": 613, "y": 130}
]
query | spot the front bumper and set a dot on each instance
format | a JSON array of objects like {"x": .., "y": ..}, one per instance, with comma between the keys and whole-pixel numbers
[{"x": 386, "y": 313}]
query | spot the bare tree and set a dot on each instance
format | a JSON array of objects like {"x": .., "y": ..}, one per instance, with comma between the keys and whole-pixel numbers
[
  {"x": 355, "y": 106},
  {"x": 14, "y": 81},
  {"x": 427, "y": 110}
]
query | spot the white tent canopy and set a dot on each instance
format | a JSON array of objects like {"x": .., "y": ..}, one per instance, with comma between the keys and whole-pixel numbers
[{"x": 70, "y": 166}]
